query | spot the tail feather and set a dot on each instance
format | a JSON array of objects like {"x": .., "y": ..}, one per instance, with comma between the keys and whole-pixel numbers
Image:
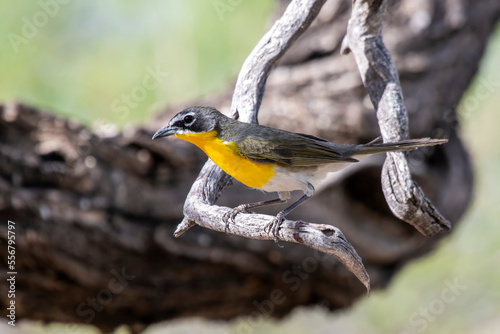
[{"x": 403, "y": 145}]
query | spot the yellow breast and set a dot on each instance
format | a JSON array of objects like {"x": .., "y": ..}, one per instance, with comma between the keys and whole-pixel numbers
[{"x": 227, "y": 157}]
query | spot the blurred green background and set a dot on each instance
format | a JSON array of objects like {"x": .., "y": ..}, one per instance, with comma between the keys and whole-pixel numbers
[
  {"x": 87, "y": 60},
  {"x": 78, "y": 58}
]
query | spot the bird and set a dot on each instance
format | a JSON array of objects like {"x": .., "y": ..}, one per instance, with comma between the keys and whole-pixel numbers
[{"x": 270, "y": 159}]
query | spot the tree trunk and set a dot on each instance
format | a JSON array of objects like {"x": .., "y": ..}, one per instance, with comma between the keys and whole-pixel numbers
[{"x": 94, "y": 216}]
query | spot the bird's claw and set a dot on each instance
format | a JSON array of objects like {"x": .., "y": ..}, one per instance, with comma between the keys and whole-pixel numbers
[
  {"x": 274, "y": 226},
  {"x": 229, "y": 216}
]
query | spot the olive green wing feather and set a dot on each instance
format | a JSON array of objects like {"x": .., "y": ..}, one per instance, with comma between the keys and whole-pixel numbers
[{"x": 289, "y": 149}]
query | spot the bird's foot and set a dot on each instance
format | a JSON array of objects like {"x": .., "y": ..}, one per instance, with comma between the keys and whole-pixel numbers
[
  {"x": 275, "y": 225},
  {"x": 229, "y": 216}
]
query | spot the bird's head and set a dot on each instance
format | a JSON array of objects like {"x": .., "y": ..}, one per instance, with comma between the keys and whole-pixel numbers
[{"x": 191, "y": 121}]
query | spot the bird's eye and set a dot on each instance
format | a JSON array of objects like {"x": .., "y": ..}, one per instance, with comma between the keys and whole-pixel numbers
[{"x": 188, "y": 119}]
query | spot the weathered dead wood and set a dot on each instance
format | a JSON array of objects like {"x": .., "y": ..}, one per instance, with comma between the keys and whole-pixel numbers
[
  {"x": 380, "y": 77},
  {"x": 325, "y": 238}
]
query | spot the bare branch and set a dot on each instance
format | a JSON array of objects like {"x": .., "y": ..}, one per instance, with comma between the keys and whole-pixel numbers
[
  {"x": 405, "y": 198},
  {"x": 251, "y": 82},
  {"x": 325, "y": 238},
  {"x": 247, "y": 98}
]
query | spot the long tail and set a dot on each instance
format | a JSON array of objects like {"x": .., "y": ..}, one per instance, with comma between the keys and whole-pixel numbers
[{"x": 404, "y": 145}]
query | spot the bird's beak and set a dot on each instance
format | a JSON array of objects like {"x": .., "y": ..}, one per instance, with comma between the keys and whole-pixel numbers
[{"x": 165, "y": 131}]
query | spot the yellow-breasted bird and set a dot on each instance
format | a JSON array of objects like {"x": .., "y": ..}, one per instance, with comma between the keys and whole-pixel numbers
[{"x": 270, "y": 159}]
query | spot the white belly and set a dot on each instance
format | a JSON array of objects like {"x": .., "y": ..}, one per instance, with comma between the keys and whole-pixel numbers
[{"x": 300, "y": 178}]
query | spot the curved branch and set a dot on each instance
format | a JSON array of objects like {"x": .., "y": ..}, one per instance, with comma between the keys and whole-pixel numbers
[
  {"x": 325, "y": 238},
  {"x": 247, "y": 98},
  {"x": 251, "y": 82},
  {"x": 380, "y": 78}
]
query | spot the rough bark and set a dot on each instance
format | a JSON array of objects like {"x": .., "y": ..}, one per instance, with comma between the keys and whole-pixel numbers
[{"x": 86, "y": 207}]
